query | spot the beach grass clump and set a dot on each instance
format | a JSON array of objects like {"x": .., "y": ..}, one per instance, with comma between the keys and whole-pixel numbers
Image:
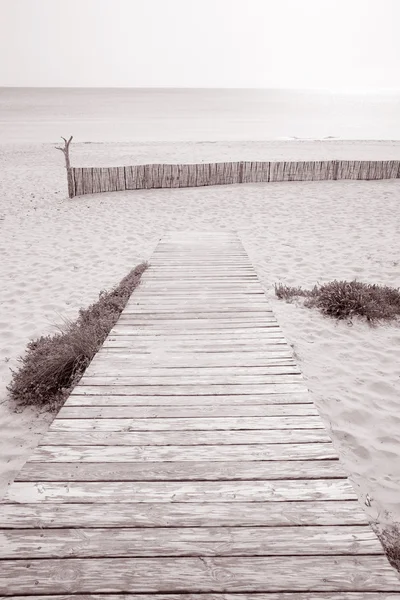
[
  {"x": 53, "y": 364},
  {"x": 390, "y": 539},
  {"x": 286, "y": 292},
  {"x": 348, "y": 299}
]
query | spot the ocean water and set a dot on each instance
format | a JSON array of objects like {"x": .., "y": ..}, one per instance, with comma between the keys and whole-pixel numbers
[{"x": 118, "y": 114}]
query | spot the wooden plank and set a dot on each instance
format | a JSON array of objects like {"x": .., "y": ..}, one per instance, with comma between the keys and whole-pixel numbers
[
  {"x": 259, "y": 335},
  {"x": 186, "y": 309},
  {"x": 224, "y": 350},
  {"x": 202, "y": 302},
  {"x": 183, "y": 438},
  {"x": 172, "y": 358},
  {"x": 219, "y": 453},
  {"x": 194, "y": 277},
  {"x": 195, "y": 326},
  {"x": 187, "y": 380},
  {"x": 230, "y": 267},
  {"x": 161, "y": 412},
  {"x": 223, "y": 596},
  {"x": 206, "y": 319},
  {"x": 210, "y": 331},
  {"x": 210, "y": 574},
  {"x": 130, "y": 370},
  {"x": 197, "y": 349},
  {"x": 204, "y": 288},
  {"x": 187, "y": 424},
  {"x": 239, "y": 343},
  {"x": 80, "y": 399},
  {"x": 181, "y": 491},
  {"x": 189, "y": 471},
  {"x": 188, "y": 390},
  {"x": 240, "y": 514},
  {"x": 199, "y": 541}
]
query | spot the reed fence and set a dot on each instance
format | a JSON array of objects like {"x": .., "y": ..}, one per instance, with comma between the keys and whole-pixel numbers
[{"x": 112, "y": 179}]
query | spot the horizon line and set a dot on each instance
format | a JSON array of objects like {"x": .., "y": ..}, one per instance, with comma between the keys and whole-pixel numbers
[{"x": 277, "y": 89}]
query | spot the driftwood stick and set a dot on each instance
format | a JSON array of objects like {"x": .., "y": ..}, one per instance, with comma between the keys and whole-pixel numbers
[{"x": 70, "y": 179}]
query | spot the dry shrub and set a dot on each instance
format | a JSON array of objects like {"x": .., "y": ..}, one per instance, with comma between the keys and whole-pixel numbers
[
  {"x": 390, "y": 539},
  {"x": 347, "y": 299},
  {"x": 288, "y": 293},
  {"x": 53, "y": 364}
]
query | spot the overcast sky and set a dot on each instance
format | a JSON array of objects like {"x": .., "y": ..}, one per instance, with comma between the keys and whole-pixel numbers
[{"x": 320, "y": 44}]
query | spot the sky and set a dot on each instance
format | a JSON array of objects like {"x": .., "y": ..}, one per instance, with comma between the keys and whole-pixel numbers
[{"x": 338, "y": 45}]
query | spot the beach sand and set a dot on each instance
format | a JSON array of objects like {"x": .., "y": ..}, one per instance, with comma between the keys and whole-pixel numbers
[{"x": 57, "y": 254}]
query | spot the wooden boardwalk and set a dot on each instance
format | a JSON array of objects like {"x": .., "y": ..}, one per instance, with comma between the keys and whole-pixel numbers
[{"x": 190, "y": 462}]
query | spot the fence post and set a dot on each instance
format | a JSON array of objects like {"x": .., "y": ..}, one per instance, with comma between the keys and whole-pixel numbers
[
  {"x": 70, "y": 178},
  {"x": 335, "y": 169},
  {"x": 241, "y": 172}
]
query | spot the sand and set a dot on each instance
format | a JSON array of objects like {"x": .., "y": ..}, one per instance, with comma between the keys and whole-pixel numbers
[{"x": 58, "y": 254}]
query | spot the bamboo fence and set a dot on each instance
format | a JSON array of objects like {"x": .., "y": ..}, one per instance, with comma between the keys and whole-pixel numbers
[{"x": 112, "y": 179}]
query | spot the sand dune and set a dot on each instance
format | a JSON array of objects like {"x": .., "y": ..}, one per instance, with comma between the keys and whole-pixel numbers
[{"x": 58, "y": 254}]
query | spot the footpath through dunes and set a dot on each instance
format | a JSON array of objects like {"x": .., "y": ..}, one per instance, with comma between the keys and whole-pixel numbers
[{"x": 190, "y": 462}]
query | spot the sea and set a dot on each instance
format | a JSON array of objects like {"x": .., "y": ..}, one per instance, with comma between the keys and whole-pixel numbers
[{"x": 132, "y": 114}]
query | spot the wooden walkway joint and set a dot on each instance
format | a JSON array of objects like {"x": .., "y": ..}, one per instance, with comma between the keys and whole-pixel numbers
[{"x": 190, "y": 463}]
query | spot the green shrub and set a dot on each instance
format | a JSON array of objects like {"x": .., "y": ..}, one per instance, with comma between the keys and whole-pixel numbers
[
  {"x": 53, "y": 364},
  {"x": 347, "y": 299}
]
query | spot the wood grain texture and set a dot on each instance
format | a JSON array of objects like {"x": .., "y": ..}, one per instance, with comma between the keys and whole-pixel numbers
[
  {"x": 189, "y": 390},
  {"x": 231, "y": 514},
  {"x": 203, "y": 574},
  {"x": 162, "y": 412},
  {"x": 184, "y": 438},
  {"x": 234, "y": 453},
  {"x": 187, "y": 424},
  {"x": 189, "y": 360},
  {"x": 80, "y": 399},
  {"x": 221, "y": 596},
  {"x": 187, "y": 541},
  {"x": 182, "y": 491},
  {"x": 130, "y": 370},
  {"x": 185, "y": 471}
]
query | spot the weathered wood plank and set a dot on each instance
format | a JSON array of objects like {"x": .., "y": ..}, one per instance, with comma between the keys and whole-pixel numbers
[
  {"x": 250, "y": 321},
  {"x": 232, "y": 453},
  {"x": 210, "y": 574},
  {"x": 259, "y": 338},
  {"x": 200, "y": 541},
  {"x": 240, "y": 514},
  {"x": 80, "y": 399},
  {"x": 160, "y": 412},
  {"x": 187, "y": 380},
  {"x": 182, "y": 491},
  {"x": 189, "y": 390},
  {"x": 187, "y": 424},
  {"x": 210, "y": 331},
  {"x": 197, "y": 471},
  {"x": 222, "y": 596},
  {"x": 172, "y": 359},
  {"x": 130, "y": 370},
  {"x": 80, "y": 437},
  {"x": 188, "y": 307},
  {"x": 228, "y": 345},
  {"x": 191, "y": 309},
  {"x": 196, "y": 329}
]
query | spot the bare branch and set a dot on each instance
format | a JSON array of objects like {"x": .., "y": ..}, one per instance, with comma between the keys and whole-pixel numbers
[{"x": 65, "y": 151}]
